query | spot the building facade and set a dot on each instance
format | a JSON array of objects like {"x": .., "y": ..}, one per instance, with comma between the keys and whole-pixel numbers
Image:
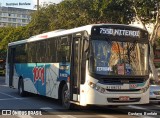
[{"x": 10, "y": 16}]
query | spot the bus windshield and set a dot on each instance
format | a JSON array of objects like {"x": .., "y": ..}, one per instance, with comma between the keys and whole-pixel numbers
[{"x": 118, "y": 57}]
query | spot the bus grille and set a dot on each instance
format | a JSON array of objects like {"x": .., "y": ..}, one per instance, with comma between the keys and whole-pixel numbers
[
  {"x": 121, "y": 81},
  {"x": 123, "y": 90},
  {"x": 116, "y": 100}
]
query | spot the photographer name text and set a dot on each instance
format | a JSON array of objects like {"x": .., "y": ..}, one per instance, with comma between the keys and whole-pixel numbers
[{"x": 142, "y": 114}]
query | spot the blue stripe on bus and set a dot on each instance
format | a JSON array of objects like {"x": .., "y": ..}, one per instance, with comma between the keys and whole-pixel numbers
[{"x": 29, "y": 71}]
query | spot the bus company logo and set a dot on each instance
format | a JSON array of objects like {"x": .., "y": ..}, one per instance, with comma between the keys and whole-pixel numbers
[
  {"x": 132, "y": 85},
  {"x": 38, "y": 74}
]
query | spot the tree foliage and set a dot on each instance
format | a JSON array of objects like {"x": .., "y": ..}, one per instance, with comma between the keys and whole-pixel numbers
[
  {"x": 148, "y": 12},
  {"x": 7, "y": 35},
  {"x": 74, "y": 13},
  {"x": 12, "y": 34}
]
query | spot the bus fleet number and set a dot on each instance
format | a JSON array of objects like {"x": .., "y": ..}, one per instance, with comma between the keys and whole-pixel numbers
[{"x": 38, "y": 74}]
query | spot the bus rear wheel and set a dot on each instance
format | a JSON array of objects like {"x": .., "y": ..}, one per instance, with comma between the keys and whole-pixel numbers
[
  {"x": 21, "y": 91},
  {"x": 66, "y": 98}
]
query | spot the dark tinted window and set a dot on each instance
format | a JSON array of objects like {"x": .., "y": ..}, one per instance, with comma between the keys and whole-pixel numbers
[
  {"x": 51, "y": 50},
  {"x": 20, "y": 54},
  {"x": 31, "y": 52},
  {"x": 46, "y": 51},
  {"x": 41, "y": 51},
  {"x": 63, "y": 49}
]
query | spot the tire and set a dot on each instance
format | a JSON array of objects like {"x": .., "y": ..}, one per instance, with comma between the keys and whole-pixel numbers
[
  {"x": 21, "y": 91},
  {"x": 66, "y": 98}
]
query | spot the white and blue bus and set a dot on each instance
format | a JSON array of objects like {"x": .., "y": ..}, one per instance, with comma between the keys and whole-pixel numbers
[{"x": 99, "y": 64}]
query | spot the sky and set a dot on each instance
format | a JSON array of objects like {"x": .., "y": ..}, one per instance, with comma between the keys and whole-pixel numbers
[{"x": 26, "y": 4}]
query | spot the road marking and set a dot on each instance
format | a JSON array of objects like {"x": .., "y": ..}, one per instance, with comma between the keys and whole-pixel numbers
[
  {"x": 66, "y": 116},
  {"x": 157, "y": 105},
  {"x": 136, "y": 107},
  {"x": 46, "y": 108},
  {"x": 147, "y": 117},
  {"x": 107, "y": 116},
  {"x": 4, "y": 85},
  {"x": 146, "y": 109},
  {"x": 24, "y": 116},
  {"x": 86, "y": 116},
  {"x": 11, "y": 99},
  {"x": 70, "y": 116},
  {"x": 61, "y": 116},
  {"x": 8, "y": 95}
]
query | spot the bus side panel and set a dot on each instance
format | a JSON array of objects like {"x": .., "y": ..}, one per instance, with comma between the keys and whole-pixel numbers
[
  {"x": 56, "y": 73},
  {"x": 52, "y": 74},
  {"x": 26, "y": 72},
  {"x": 33, "y": 75},
  {"x": 41, "y": 78}
]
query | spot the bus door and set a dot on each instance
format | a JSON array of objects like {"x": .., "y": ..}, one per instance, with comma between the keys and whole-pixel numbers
[
  {"x": 75, "y": 63},
  {"x": 11, "y": 58},
  {"x": 77, "y": 67}
]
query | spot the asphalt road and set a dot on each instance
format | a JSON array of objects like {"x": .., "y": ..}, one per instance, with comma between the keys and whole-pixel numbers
[{"x": 34, "y": 106}]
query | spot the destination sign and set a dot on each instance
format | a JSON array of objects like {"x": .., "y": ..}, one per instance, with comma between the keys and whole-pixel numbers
[{"x": 119, "y": 32}]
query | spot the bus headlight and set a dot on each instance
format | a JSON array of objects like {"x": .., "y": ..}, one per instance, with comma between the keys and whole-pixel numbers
[
  {"x": 91, "y": 84},
  {"x": 96, "y": 87}
]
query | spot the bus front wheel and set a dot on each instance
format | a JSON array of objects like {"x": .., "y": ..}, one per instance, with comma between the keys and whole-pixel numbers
[{"x": 21, "y": 91}]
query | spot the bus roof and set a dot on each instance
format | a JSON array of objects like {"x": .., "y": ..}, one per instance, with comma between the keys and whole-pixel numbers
[{"x": 62, "y": 32}]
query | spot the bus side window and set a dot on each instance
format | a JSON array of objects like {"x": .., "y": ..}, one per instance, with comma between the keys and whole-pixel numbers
[
  {"x": 64, "y": 49},
  {"x": 21, "y": 54}
]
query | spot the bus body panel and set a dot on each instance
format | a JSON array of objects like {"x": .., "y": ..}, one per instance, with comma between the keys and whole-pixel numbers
[
  {"x": 97, "y": 98},
  {"x": 41, "y": 78},
  {"x": 93, "y": 96}
]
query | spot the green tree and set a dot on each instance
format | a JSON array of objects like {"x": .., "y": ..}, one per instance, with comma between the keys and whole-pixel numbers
[
  {"x": 75, "y": 13},
  {"x": 148, "y": 12},
  {"x": 14, "y": 34},
  {"x": 4, "y": 31},
  {"x": 39, "y": 22}
]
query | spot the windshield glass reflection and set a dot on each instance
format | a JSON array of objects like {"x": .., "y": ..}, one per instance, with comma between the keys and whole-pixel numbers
[{"x": 118, "y": 58}]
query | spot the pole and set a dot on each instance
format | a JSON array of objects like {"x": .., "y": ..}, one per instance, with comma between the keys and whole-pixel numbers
[{"x": 37, "y": 5}]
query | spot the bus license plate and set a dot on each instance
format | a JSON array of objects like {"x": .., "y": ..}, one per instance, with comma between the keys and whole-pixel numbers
[{"x": 124, "y": 98}]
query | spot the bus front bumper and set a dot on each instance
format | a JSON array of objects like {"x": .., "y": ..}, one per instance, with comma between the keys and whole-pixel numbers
[{"x": 97, "y": 98}]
